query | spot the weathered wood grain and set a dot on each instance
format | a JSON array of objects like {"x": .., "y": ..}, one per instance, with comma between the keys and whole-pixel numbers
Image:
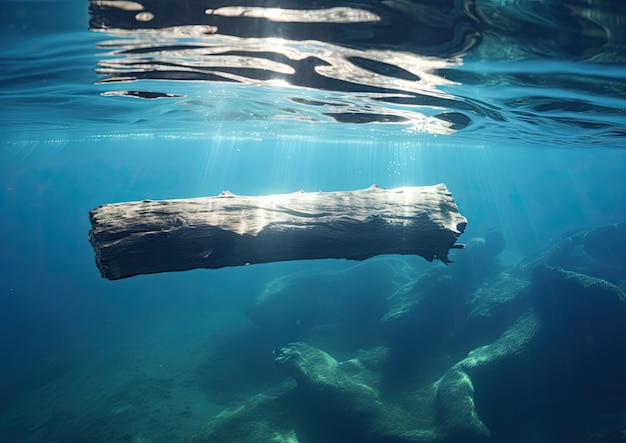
[{"x": 229, "y": 230}]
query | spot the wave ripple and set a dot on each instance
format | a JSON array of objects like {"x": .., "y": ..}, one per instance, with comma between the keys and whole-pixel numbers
[{"x": 550, "y": 69}]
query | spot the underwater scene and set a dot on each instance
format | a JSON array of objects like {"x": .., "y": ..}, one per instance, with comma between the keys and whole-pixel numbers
[{"x": 376, "y": 221}]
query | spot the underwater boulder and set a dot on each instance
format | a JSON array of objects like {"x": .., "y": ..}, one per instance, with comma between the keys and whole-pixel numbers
[
  {"x": 493, "y": 307},
  {"x": 548, "y": 360},
  {"x": 344, "y": 388},
  {"x": 498, "y": 302},
  {"x": 350, "y": 401},
  {"x": 338, "y": 309},
  {"x": 574, "y": 296},
  {"x": 559, "y": 366},
  {"x": 351, "y": 395},
  {"x": 502, "y": 379},
  {"x": 456, "y": 410},
  {"x": 293, "y": 303},
  {"x": 261, "y": 419},
  {"x": 597, "y": 252},
  {"x": 421, "y": 316},
  {"x": 589, "y": 312},
  {"x": 428, "y": 313}
]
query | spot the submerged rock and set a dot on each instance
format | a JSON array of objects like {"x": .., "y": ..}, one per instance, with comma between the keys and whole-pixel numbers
[
  {"x": 332, "y": 309},
  {"x": 494, "y": 306},
  {"x": 426, "y": 314},
  {"x": 559, "y": 364},
  {"x": 497, "y": 303},
  {"x": 537, "y": 353},
  {"x": 346, "y": 401},
  {"x": 579, "y": 305},
  {"x": 344, "y": 392},
  {"x": 598, "y": 252},
  {"x": 263, "y": 418}
]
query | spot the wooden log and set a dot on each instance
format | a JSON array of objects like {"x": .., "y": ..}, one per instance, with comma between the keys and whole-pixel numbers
[{"x": 229, "y": 230}]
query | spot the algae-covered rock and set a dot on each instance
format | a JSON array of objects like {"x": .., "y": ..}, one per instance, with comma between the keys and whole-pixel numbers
[
  {"x": 557, "y": 365},
  {"x": 597, "y": 252},
  {"x": 536, "y": 353},
  {"x": 494, "y": 306},
  {"x": 456, "y": 409},
  {"x": 347, "y": 401},
  {"x": 584, "y": 321},
  {"x": 263, "y": 418},
  {"x": 498, "y": 302},
  {"x": 426, "y": 314},
  {"x": 353, "y": 395},
  {"x": 578, "y": 302},
  {"x": 347, "y": 388}
]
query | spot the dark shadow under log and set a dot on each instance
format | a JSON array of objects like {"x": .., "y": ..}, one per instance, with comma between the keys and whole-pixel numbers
[{"x": 229, "y": 230}]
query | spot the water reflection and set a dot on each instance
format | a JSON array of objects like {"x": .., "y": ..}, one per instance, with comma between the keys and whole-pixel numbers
[{"x": 383, "y": 61}]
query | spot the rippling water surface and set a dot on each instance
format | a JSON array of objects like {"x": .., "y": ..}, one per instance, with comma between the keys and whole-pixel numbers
[{"x": 480, "y": 72}]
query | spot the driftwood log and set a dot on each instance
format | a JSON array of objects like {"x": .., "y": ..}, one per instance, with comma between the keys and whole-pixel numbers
[{"x": 229, "y": 230}]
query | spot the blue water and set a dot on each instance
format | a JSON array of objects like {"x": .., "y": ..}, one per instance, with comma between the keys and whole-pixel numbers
[{"x": 535, "y": 151}]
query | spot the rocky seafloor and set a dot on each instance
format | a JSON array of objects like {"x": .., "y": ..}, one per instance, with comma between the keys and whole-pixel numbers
[{"x": 472, "y": 352}]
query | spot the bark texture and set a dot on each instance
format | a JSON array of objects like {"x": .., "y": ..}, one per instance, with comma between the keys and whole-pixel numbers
[{"x": 229, "y": 230}]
